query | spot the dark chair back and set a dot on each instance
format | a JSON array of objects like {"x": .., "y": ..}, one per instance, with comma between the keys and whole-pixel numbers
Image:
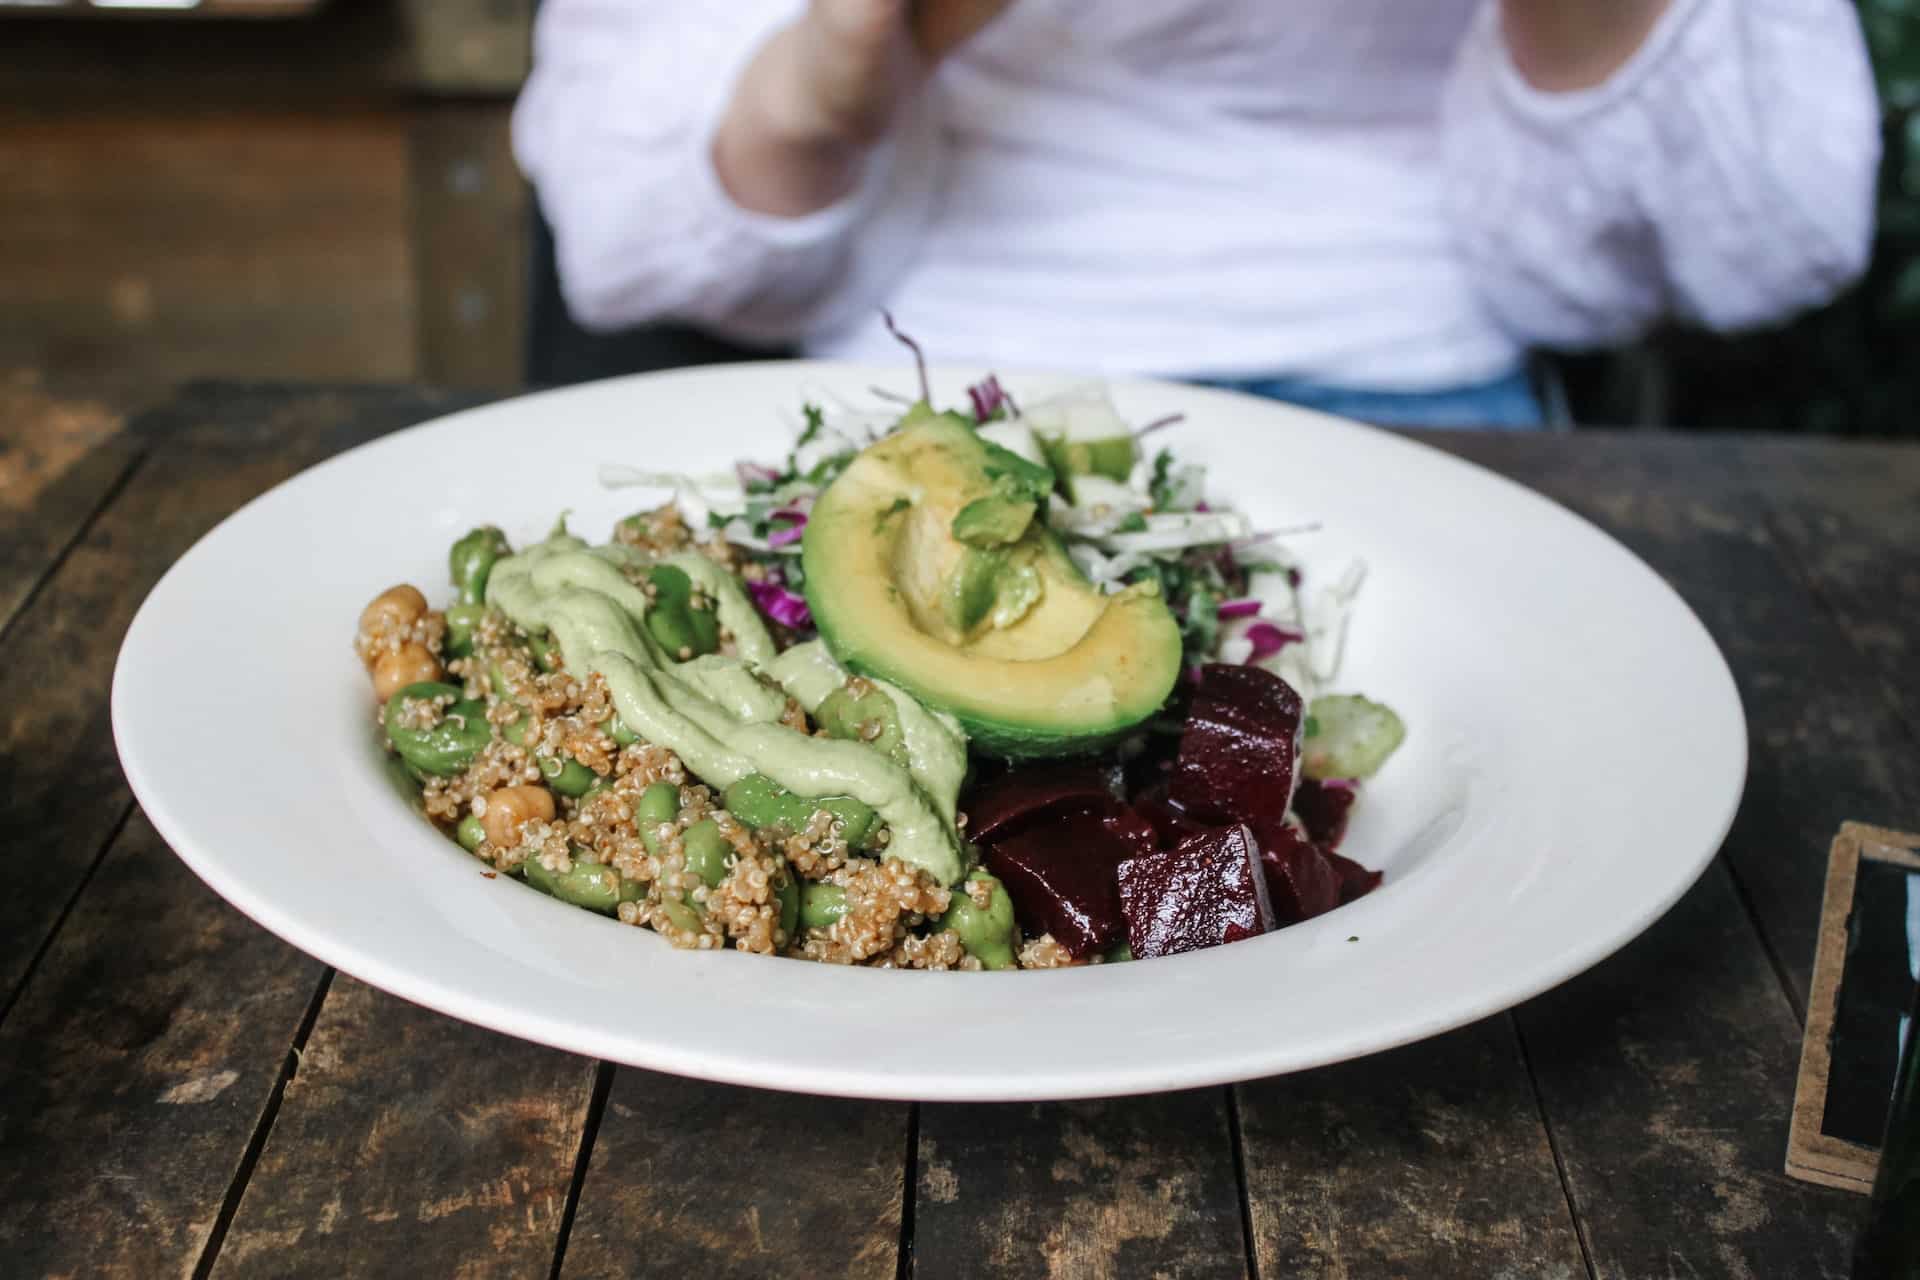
[{"x": 560, "y": 351}]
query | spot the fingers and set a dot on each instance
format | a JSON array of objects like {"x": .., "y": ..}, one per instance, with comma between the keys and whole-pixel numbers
[{"x": 940, "y": 26}]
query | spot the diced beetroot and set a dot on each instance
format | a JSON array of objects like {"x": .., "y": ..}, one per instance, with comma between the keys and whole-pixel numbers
[
  {"x": 1240, "y": 753},
  {"x": 1324, "y": 807},
  {"x": 1207, "y": 891},
  {"x": 1060, "y": 876},
  {"x": 1024, "y": 797},
  {"x": 1171, "y": 823},
  {"x": 1355, "y": 880},
  {"x": 1132, "y": 830},
  {"x": 1302, "y": 882}
]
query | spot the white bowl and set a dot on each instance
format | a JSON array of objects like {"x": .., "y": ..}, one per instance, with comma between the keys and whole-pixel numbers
[{"x": 1575, "y": 754}]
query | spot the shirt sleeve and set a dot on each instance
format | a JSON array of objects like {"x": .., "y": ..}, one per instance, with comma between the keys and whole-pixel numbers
[
  {"x": 615, "y": 130},
  {"x": 1726, "y": 174}
]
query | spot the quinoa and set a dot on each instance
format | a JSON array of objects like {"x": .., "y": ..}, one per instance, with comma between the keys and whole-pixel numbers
[
  {"x": 892, "y": 907},
  {"x": 382, "y": 635},
  {"x": 885, "y": 900},
  {"x": 1044, "y": 953},
  {"x": 660, "y": 531}
]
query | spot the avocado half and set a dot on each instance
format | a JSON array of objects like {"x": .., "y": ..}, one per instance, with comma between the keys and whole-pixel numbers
[{"x": 999, "y": 629}]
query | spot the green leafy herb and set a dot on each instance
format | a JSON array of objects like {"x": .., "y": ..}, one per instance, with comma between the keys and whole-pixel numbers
[
  {"x": 1015, "y": 475},
  {"x": 816, "y": 422},
  {"x": 1160, "y": 486}
]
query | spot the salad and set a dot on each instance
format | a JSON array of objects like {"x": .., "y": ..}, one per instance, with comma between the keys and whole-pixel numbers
[{"x": 1000, "y": 686}]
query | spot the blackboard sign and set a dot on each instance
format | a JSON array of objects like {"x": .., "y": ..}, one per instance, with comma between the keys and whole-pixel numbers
[{"x": 1865, "y": 969}]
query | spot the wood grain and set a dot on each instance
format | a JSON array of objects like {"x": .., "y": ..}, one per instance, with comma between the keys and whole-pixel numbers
[
  {"x": 1428, "y": 1161},
  {"x": 1849, "y": 514},
  {"x": 160, "y": 246},
  {"x": 212, "y": 450},
  {"x": 1111, "y": 1188},
  {"x": 1826, "y": 743},
  {"x": 470, "y": 237},
  {"x": 695, "y": 1179},
  {"x": 409, "y": 1143},
  {"x": 134, "y": 1069},
  {"x": 59, "y": 457},
  {"x": 1667, "y": 1072},
  {"x": 349, "y": 53}
]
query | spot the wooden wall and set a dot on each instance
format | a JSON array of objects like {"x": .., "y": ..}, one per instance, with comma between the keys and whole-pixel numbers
[{"x": 329, "y": 198}]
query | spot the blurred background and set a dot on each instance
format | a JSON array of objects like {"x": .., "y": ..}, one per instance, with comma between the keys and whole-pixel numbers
[{"x": 314, "y": 189}]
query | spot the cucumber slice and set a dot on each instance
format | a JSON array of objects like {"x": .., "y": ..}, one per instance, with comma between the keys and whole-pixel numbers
[{"x": 1349, "y": 736}]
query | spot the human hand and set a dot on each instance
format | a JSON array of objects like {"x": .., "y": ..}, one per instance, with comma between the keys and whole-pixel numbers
[
  {"x": 825, "y": 89},
  {"x": 853, "y": 63}
]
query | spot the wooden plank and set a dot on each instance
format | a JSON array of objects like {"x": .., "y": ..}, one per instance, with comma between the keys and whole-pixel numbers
[
  {"x": 345, "y": 54},
  {"x": 59, "y": 457},
  {"x": 1426, "y": 1161},
  {"x": 470, "y": 239},
  {"x": 409, "y": 1143},
  {"x": 159, "y": 246},
  {"x": 1826, "y": 744},
  {"x": 693, "y": 1179},
  {"x": 1667, "y": 1072},
  {"x": 1850, "y": 515},
  {"x": 1667, "y": 1076},
  {"x": 1118, "y": 1187},
  {"x": 214, "y": 449},
  {"x": 135, "y": 1068}
]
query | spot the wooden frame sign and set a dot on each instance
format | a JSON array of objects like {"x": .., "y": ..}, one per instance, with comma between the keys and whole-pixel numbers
[{"x": 1864, "y": 970}]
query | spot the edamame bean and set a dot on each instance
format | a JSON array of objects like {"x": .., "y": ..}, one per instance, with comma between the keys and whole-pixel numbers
[
  {"x": 706, "y": 851},
  {"x": 786, "y": 887},
  {"x": 675, "y": 624},
  {"x": 659, "y": 804},
  {"x": 679, "y": 914},
  {"x": 760, "y": 802},
  {"x": 461, "y": 621},
  {"x": 446, "y": 748},
  {"x": 546, "y": 654},
  {"x": 821, "y": 905},
  {"x": 472, "y": 558},
  {"x": 1121, "y": 953},
  {"x": 566, "y": 775},
  {"x": 869, "y": 717},
  {"x": 616, "y": 728},
  {"x": 470, "y": 832},
  {"x": 985, "y": 932},
  {"x": 586, "y": 884}
]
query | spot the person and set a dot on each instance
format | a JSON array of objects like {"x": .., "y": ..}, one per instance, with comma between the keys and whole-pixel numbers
[{"x": 1375, "y": 206}]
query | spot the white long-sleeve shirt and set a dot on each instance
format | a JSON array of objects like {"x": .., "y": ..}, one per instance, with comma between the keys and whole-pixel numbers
[{"x": 1360, "y": 192}]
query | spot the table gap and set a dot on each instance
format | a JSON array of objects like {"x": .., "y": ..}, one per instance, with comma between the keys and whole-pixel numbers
[
  {"x": 596, "y": 1107},
  {"x": 909, "y": 1189},
  {"x": 1553, "y": 1145},
  {"x": 1238, "y": 1145},
  {"x": 262, "y": 1128},
  {"x": 59, "y": 921},
  {"x": 1775, "y": 960},
  {"x": 80, "y": 531}
]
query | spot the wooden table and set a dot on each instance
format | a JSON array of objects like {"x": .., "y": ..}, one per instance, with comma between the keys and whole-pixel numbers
[{"x": 183, "y": 1094}]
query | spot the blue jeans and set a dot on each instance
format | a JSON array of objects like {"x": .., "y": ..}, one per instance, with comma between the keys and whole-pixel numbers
[{"x": 1507, "y": 403}]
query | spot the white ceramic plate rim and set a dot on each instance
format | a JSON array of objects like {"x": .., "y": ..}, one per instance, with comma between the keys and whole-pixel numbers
[{"x": 1101, "y": 1031}]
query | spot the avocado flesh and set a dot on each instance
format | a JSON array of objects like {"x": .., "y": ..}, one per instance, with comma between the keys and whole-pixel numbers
[{"x": 1011, "y": 639}]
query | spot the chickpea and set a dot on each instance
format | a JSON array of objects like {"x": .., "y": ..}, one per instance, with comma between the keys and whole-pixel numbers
[
  {"x": 411, "y": 663},
  {"x": 393, "y": 610},
  {"x": 511, "y": 808}
]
